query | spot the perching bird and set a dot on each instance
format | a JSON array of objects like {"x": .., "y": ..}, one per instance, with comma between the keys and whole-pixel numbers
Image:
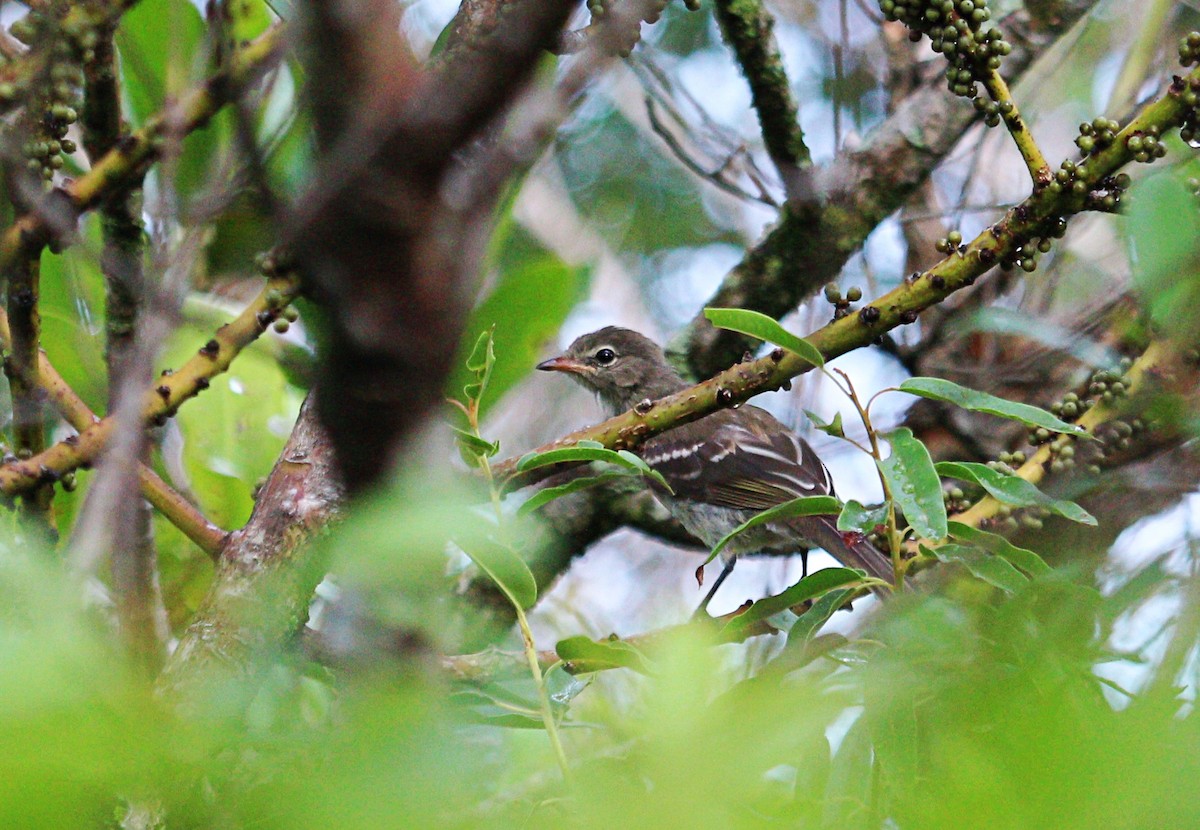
[{"x": 723, "y": 468}]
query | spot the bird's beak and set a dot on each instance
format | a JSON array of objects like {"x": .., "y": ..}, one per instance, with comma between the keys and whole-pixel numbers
[{"x": 563, "y": 364}]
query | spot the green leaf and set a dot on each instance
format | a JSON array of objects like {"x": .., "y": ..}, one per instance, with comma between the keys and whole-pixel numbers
[
  {"x": 856, "y": 516},
  {"x": 939, "y": 389},
  {"x": 480, "y": 363},
  {"x": 914, "y": 484},
  {"x": 253, "y": 398},
  {"x": 549, "y": 494},
  {"x": 579, "y": 452},
  {"x": 833, "y": 428},
  {"x": 991, "y": 569},
  {"x": 475, "y": 445},
  {"x": 588, "y": 655},
  {"x": 764, "y": 328},
  {"x": 803, "y": 506},
  {"x": 504, "y": 567},
  {"x": 1162, "y": 229},
  {"x": 811, "y": 621},
  {"x": 534, "y": 291},
  {"x": 157, "y": 40},
  {"x": 507, "y": 720},
  {"x": 1023, "y": 558},
  {"x": 1013, "y": 490},
  {"x": 249, "y": 19},
  {"x": 813, "y": 585},
  {"x": 591, "y": 451}
]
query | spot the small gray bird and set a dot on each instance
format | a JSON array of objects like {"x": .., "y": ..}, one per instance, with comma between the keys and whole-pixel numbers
[{"x": 723, "y": 468}]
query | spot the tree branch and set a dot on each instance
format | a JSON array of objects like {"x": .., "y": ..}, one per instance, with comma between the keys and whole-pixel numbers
[
  {"x": 267, "y": 571},
  {"x": 747, "y": 28},
  {"x": 1001, "y": 243},
  {"x": 171, "y": 391},
  {"x": 811, "y": 242}
]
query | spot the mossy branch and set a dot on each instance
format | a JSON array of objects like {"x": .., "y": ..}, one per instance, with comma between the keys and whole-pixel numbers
[
  {"x": 747, "y": 28},
  {"x": 28, "y": 411}
]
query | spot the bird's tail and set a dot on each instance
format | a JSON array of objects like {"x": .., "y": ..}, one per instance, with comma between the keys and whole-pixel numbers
[{"x": 850, "y": 548}]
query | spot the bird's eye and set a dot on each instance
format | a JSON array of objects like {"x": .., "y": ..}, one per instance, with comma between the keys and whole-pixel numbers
[{"x": 605, "y": 356}]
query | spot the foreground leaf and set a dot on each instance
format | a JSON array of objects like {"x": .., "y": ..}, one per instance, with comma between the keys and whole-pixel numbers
[
  {"x": 914, "y": 484},
  {"x": 939, "y": 389},
  {"x": 857, "y": 516},
  {"x": 991, "y": 569},
  {"x": 505, "y": 568},
  {"x": 549, "y": 494},
  {"x": 764, "y": 328},
  {"x": 1013, "y": 490},
  {"x": 994, "y": 543},
  {"x": 588, "y": 655},
  {"x": 833, "y": 428},
  {"x": 812, "y": 586},
  {"x": 803, "y": 506}
]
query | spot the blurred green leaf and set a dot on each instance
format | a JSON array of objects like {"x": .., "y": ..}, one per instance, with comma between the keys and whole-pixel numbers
[
  {"x": 623, "y": 182},
  {"x": 848, "y": 794},
  {"x": 155, "y": 39},
  {"x": 584, "y": 655},
  {"x": 765, "y": 328},
  {"x": 914, "y": 484},
  {"x": 249, "y": 18},
  {"x": 1026, "y": 560},
  {"x": 939, "y": 389},
  {"x": 991, "y": 569},
  {"x": 1162, "y": 229},
  {"x": 72, "y": 308},
  {"x": 803, "y": 506},
  {"x": 1012, "y": 489},
  {"x": 505, "y": 568},
  {"x": 232, "y": 432},
  {"x": 534, "y": 292},
  {"x": 810, "y": 587}
]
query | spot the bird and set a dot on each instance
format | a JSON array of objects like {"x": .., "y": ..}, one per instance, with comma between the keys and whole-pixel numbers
[{"x": 722, "y": 469}]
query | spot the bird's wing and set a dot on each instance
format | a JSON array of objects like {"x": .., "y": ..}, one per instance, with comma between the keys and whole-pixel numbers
[{"x": 750, "y": 462}]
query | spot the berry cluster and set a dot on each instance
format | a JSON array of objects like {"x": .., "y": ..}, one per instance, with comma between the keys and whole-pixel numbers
[
  {"x": 56, "y": 92},
  {"x": 274, "y": 263},
  {"x": 841, "y": 305},
  {"x": 952, "y": 242},
  {"x": 1040, "y": 241},
  {"x": 1097, "y": 135},
  {"x": 1189, "y": 49},
  {"x": 955, "y": 28}
]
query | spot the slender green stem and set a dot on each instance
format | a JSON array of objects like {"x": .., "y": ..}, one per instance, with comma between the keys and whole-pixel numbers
[
  {"x": 530, "y": 648},
  {"x": 864, "y": 415},
  {"x": 535, "y": 669},
  {"x": 998, "y": 91}
]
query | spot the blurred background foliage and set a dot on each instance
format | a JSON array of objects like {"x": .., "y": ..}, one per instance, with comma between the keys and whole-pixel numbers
[{"x": 1069, "y": 703}]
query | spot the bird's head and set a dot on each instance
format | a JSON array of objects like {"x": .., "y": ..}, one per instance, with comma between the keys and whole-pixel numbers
[{"x": 620, "y": 365}]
